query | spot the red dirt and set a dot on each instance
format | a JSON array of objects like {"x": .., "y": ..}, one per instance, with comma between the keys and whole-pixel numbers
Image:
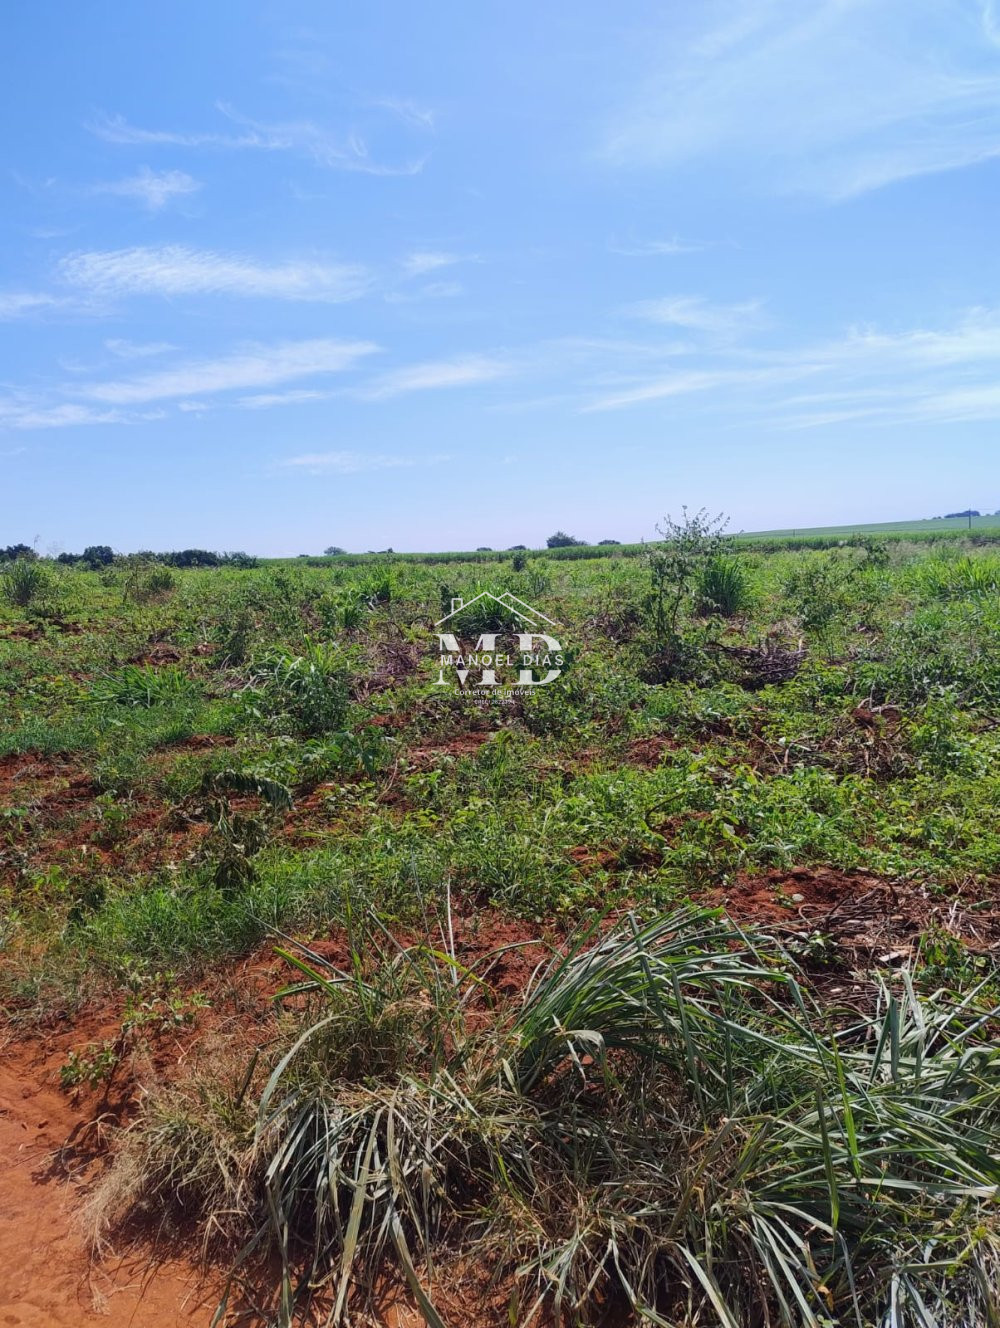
[
  {"x": 872, "y": 921},
  {"x": 429, "y": 754},
  {"x": 648, "y": 752},
  {"x": 48, "y": 1277},
  {"x": 53, "y": 1143}
]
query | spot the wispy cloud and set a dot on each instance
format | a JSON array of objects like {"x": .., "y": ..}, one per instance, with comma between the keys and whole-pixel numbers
[
  {"x": 175, "y": 270},
  {"x": 869, "y": 376},
  {"x": 295, "y": 397},
  {"x": 347, "y": 151},
  {"x": 408, "y": 111},
  {"x": 22, "y": 304},
  {"x": 116, "y": 129},
  {"x": 460, "y": 372},
  {"x": 353, "y": 463},
  {"x": 154, "y": 189},
  {"x": 136, "y": 350},
  {"x": 17, "y": 413},
  {"x": 255, "y": 367},
  {"x": 836, "y": 98},
  {"x": 696, "y": 314},
  {"x": 424, "y": 261},
  {"x": 668, "y": 248}
]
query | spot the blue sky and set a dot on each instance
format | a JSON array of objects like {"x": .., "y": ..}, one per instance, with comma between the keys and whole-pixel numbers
[{"x": 278, "y": 276}]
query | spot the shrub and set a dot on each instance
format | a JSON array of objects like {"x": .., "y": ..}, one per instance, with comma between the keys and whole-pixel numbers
[
  {"x": 560, "y": 540},
  {"x": 311, "y": 692},
  {"x": 818, "y": 591}
]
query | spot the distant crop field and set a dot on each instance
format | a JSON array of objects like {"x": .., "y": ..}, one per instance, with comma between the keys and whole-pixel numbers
[
  {"x": 980, "y": 530},
  {"x": 957, "y": 525}
]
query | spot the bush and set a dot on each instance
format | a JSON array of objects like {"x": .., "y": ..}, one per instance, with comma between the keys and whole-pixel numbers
[
  {"x": 310, "y": 692},
  {"x": 24, "y": 581},
  {"x": 560, "y": 540},
  {"x": 818, "y": 590}
]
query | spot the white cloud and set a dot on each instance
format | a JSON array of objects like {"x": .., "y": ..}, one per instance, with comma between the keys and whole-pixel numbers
[
  {"x": 668, "y": 248},
  {"x": 24, "y": 414},
  {"x": 417, "y": 264},
  {"x": 460, "y": 372},
  {"x": 21, "y": 304},
  {"x": 918, "y": 375},
  {"x": 258, "y": 366},
  {"x": 175, "y": 270},
  {"x": 116, "y": 129},
  {"x": 697, "y": 314},
  {"x": 347, "y": 151},
  {"x": 696, "y": 381},
  {"x": 154, "y": 189},
  {"x": 407, "y": 111},
  {"x": 837, "y": 97},
  {"x": 136, "y": 350},
  {"x": 297, "y": 397},
  {"x": 353, "y": 463}
]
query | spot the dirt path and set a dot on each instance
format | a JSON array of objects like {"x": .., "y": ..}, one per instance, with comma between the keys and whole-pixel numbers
[{"x": 46, "y": 1275}]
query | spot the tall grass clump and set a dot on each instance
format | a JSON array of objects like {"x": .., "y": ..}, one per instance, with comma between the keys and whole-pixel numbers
[
  {"x": 144, "y": 687},
  {"x": 663, "y": 1123},
  {"x": 724, "y": 587},
  {"x": 23, "y": 582}
]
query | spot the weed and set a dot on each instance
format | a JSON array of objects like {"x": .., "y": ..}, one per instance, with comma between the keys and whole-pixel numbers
[
  {"x": 24, "y": 582},
  {"x": 91, "y": 1066}
]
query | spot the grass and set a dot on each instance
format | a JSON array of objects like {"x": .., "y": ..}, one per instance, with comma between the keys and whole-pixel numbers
[
  {"x": 664, "y": 1120},
  {"x": 670, "y": 1119}
]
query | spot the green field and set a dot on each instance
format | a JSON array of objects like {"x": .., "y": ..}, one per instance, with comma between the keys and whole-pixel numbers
[
  {"x": 667, "y": 987},
  {"x": 933, "y": 526}
]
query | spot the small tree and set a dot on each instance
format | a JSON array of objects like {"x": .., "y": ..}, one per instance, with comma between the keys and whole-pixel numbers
[
  {"x": 676, "y": 569},
  {"x": 560, "y": 540},
  {"x": 333, "y": 550},
  {"x": 96, "y": 556},
  {"x": 15, "y": 551}
]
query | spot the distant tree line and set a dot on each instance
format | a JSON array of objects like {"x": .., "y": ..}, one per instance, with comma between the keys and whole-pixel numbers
[{"x": 96, "y": 556}]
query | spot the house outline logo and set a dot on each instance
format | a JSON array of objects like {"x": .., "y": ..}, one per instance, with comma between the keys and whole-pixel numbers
[
  {"x": 508, "y": 600},
  {"x": 536, "y": 649}
]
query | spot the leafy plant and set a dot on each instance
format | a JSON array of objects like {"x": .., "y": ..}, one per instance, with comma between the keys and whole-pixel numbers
[
  {"x": 311, "y": 691},
  {"x": 91, "y": 1066},
  {"x": 237, "y": 837}
]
